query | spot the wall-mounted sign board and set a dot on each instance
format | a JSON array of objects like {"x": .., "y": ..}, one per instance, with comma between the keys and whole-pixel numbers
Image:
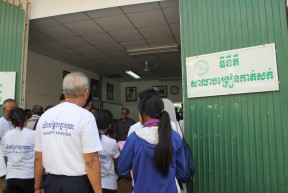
[
  {"x": 246, "y": 70},
  {"x": 7, "y": 85}
]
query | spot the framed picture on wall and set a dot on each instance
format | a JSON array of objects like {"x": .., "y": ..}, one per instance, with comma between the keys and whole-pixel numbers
[
  {"x": 96, "y": 104},
  {"x": 65, "y": 73},
  {"x": 94, "y": 88},
  {"x": 162, "y": 90},
  {"x": 109, "y": 94},
  {"x": 131, "y": 94}
]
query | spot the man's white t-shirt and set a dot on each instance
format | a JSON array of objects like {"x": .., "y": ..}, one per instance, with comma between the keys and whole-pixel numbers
[
  {"x": 5, "y": 126},
  {"x": 2, "y": 165},
  {"x": 63, "y": 134},
  {"x": 110, "y": 151},
  {"x": 20, "y": 153}
]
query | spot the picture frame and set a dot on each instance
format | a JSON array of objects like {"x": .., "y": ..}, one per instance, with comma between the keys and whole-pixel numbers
[
  {"x": 65, "y": 73},
  {"x": 96, "y": 104},
  {"x": 131, "y": 94},
  {"x": 161, "y": 89},
  {"x": 109, "y": 92},
  {"x": 94, "y": 88}
]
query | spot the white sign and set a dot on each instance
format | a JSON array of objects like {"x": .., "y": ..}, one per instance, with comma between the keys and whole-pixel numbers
[
  {"x": 246, "y": 70},
  {"x": 7, "y": 85}
]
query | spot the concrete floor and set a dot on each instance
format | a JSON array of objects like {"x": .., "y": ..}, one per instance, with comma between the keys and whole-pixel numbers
[{"x": 124, "y": 186}]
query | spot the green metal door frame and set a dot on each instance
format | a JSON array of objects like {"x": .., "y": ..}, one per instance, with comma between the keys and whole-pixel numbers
[
  {"x": 14, "y": 25},
  {"x": 240, "y": 142}
]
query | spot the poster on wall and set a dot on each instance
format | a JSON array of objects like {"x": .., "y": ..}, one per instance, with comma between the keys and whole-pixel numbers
[
  {"x": 7, "y": 85},
  {"x": 246, "y": 70}
]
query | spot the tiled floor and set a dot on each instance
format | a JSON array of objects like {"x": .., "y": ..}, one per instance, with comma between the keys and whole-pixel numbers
[{"x": 124, "y": 186}]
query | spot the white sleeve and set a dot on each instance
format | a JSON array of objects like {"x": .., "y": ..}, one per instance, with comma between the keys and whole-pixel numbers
[
  {"x": 115, "y": 150},
  {"x": 1, "y": 128},
  {"x": 3, "y": 147},
  {"x": 2, "y": 165},
  {"x": 38, "y": 135},
  {"x": 89, "y": 135}
]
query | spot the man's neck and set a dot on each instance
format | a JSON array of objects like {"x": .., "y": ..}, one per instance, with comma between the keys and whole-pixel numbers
[
  {"x": 76, "y": 101},
  {"x": 5, "y": 116}
]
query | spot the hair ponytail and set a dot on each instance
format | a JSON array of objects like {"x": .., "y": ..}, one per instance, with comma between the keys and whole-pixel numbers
[
  {"x": 163, "y": 151},
  {"x": 153, "y": 106},
  {"x": 17, "y": 117}
]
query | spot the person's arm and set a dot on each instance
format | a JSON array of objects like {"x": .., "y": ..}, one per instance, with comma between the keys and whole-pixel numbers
[
  {"x": 125, "y": 160},
  {"x": 38, "y": 172},
  {"x": 93, "y": 170},
  {"x": 180, "y": 159}
]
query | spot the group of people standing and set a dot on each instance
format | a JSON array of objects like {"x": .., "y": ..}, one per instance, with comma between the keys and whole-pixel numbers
[{"x": 69, "y": 151}]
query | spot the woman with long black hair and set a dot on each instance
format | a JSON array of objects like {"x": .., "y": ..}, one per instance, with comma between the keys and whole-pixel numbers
[
  {"x": 19, "y": 145},
  {"x": 154, "y": 152}
]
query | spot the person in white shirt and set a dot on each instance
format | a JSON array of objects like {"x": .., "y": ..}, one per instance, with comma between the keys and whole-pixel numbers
[
  {"x": 67, "y": 142},
  {"x": 5, "y": 125},
  {"x": 2, "y": 169},
  {"x": 19, "y": 143},
  {"x": 109, "y": 153}
]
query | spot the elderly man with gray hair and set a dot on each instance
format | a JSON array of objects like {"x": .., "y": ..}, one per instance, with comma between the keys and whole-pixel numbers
[
  {"x": 67, "y": 142},
  {"x": 5, "y": 125}
]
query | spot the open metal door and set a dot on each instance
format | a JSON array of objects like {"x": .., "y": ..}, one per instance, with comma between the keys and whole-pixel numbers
[{"x": 14, "y": 25}]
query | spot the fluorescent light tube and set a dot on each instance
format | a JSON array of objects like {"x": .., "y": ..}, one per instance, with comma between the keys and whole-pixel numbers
[
  {"x": 153, "y": 50},
  {"x": 134, "y": 75}
]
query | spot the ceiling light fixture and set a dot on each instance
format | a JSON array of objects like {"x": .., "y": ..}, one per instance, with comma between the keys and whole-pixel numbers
[
  {"x": 133, "y": 74},
  {"x": 153, "y": 50}
]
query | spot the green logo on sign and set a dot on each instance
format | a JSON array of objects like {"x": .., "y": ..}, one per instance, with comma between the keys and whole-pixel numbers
[{"x": 201, "y": 67}]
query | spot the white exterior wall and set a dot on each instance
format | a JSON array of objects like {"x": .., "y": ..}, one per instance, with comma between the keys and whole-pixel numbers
[{"x": 45, "y": 8}]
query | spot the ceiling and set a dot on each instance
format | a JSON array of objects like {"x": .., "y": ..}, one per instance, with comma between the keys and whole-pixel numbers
[{"x": 98, "y": 40}]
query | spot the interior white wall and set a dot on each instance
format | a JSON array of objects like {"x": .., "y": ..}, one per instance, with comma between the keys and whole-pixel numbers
[
  {"x": 44, "y": 84},
  {"x": 44, "y": 79},
  {"x": 133, "y": 106},
  {"x": 44, "y": 8}
]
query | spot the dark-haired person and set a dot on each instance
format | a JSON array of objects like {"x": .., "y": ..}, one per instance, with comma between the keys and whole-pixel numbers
[
  {"x": 93, "y": 111},
  {"x": 62, "y": 98},
  {"x": 28, "y": 113},
  {"x": 88, "y": 105},
  {"x": 19, "y": 143},
  {"x": 48, "y": 107},
  {"x": 147, "y": 92},
  {"x": 109, "y": 153},
  {"x": 155, "y": 152}
]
